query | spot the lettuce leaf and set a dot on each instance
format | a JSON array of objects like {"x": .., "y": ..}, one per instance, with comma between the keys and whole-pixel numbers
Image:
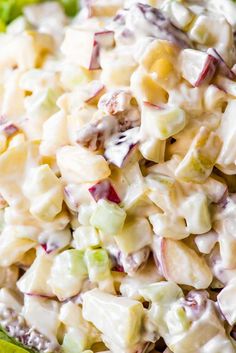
[
  {"x": 10, "y": 9},
  {"x": 10, "y": 345}
]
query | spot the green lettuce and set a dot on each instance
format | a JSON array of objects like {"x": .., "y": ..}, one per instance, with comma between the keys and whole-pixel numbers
[
  {"x": 10, "y": 345},
  {"x": 11, "y": 9}
]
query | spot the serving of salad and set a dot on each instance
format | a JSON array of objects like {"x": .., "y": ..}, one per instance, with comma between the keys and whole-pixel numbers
[{"x": 118, "y": 176}]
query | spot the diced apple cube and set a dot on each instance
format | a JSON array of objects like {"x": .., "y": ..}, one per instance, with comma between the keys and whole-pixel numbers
[
  {"x": 44, "y": 191},
  {"x": 100, "y": 8},
  {"x": 108, "y": 217},
  {"x": 104, "y": 190},
  {"x": 68, "y": 273},
  {"x": 197, "y": 67},
  {"x": 75, "y": 341},
  {"x": 169, "y": 226},
  {"x": 227, "y": 133},
  {"x": 146, "y": 88},
  {"x": 162, "y": 122},
  {"x": 214, "y": 98},
  {"x": 162, "y": 292},
  {"x": 227, "y": 303},
  {"x": 199, "y": 32},
  {"x": 73, "y": 75},
  {"x": 79, "y": 165},
  {"x": 12, "y": 247},
  {"x": 42, "y": 315},
  {"x": 82, "y": 46},
  {"x": 54, "y": 134},
  {"x": 121, "y": 70},
  {"x": 26, "y": 50},
  {"x": 199, "y": 161},
  {"x": 153, "y": 149},
  {"x": 196, "y": 213},
  {"x": 226, "y": 85},
  {"x": 118, "y": 318},
  {"x": 34, "y": 280},
  {"x": 182, "y": 264},
  {"x": 159, "y": 58},
  {"x": 135, "y": 235},
  {"x": 11, "y": 299}
]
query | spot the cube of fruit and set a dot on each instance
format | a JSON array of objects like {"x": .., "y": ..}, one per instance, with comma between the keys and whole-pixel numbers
[
  {"x": 199, "y": 32},
  {"x": 73, "y": 75},
  {"x": 118, "y": 318},
  {"x": 162, "y": 122},
  {"x": 85, "y": 237},
  {"x": 146, "y": 88},
  {"x": 180, "y": 15},
  {"x": 27, "y": 49},
  {"x": 162, "y": 292},
  {"x": 79, "y": 165},
  {"x": 177, "y": 320},
  {"x": 159, "y": 58},
  {"x": 135, "y": 235},
  {"x": 84, "y": 51},
  {"x": 54, "y": 134},
  {"x": 197, "y": 67},
  {"x": 13, "y": 247},
  {"x": 42, "y": 314},
  {"x": 182, "y": 264},
  {"x": 108, "y": 217},
  {"x": 34, "y": 280},
  {"x": 75, "y": 341},
  {"x": 118, "y": 74},
  {"x": 196, "y": 213},
  {"x": 98, "y": 263},
  {"x": 104, "y": 190},
  {"x": 45, "y": 193},
  {"x": 226, "y": 303},
  {"x": 68, "y": 273},
  {"x": 169, "y": 226},
  {"x": 199, "y": 161},
  {"x": 153, "y": 149},
  {"x": 100, "y": 8},
  {"x": 227, "y": 133}
]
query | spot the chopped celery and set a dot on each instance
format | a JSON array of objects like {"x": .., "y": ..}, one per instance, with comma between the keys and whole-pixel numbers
[
  {"x": 108, "y": 217},
  {"x": 68, "y": 273},
  {"x": 98, "y": 264}
]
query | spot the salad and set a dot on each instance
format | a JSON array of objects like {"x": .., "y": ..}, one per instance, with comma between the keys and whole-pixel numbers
[{"x": 118, "y": 176}]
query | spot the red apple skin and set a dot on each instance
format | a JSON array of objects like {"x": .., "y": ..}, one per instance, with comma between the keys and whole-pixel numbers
[
  {"x": 105, "y": 36},
  {"x": 223, "y": 67},
  {"x": 95, "y": 95},
  {"x": 104, "y": 190},
  {"x": 154, "y": 106},
  {"x": 94, "y": 61},
  {"x": 208, "y": 71},
  {"x": 10, "y": 129},
  {"x": 49, "y": 248},
  {"x": 40, "y": 295}
]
